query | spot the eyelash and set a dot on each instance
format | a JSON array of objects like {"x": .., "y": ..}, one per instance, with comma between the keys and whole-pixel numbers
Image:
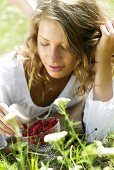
[
  {"x": 63, "y": 48},
  {"x": 48, "y": 45},
  {"x": 44, "y": 44}
]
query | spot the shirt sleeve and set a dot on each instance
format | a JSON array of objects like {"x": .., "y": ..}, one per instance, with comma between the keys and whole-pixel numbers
[
  {"x": 8, "y": 84},
  {"x": 8, "y": 79},
  {"x": 98, "y": 117}
]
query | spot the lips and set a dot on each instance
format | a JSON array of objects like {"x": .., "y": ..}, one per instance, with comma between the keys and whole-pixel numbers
[{"x": 56, "y": 68}]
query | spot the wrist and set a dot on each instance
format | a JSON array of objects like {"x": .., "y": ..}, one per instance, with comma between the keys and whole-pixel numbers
[
  {"x": 103, "y": 65},
  {"x": 103, "y": 58}
]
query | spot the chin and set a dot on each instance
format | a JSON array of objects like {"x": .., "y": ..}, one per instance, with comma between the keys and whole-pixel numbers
[{"x": 57, "y": 76}]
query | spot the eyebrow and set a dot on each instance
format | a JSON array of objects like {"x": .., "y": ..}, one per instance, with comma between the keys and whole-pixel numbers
[
  {"x": 43, "y": 38},
  {"x": 47, "y": 39}
]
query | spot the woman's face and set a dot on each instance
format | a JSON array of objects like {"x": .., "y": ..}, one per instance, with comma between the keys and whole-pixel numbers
[{"x": 52, "y": 49}]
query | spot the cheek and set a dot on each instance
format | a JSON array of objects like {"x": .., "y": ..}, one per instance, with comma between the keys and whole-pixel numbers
[
  {"x": 41, "y": 52},
  {"x": 71, "y": 62}
]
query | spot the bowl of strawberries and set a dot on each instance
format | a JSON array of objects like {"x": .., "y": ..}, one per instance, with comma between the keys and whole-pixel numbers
[{"x": 33, "y": 133}]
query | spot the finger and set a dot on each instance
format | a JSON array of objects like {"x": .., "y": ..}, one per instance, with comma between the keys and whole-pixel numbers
[
  {"x": 3, "y": 132},
  {"x": 3, "y": 123},
  {"x": 104, "y": 30},
  {"x": 109, "y": 27},
  {"x": 15, "y": 121},
  {"x": 4, "y": 109},
  {"x": 4, "y": 129},
  {"x": 19, "y": 122}
]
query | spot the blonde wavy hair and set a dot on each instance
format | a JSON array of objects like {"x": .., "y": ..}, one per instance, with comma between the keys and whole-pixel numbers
[{"x": 80, "y": 20}]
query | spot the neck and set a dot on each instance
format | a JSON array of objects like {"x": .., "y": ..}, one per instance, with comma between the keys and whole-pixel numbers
[{"x": 63, "y": 79}]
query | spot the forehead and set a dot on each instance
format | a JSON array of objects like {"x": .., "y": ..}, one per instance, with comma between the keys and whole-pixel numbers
[{"x": 51, "y": 30}]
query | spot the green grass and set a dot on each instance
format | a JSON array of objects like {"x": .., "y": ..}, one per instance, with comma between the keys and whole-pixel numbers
[
  {"x": 108, "y": 7},
  {"x": 12, "y": 26},
  {"x": 73, "y": 148}
]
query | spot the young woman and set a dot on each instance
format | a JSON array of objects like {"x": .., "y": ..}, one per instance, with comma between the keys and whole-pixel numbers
[{"x": 68, "y": 54}]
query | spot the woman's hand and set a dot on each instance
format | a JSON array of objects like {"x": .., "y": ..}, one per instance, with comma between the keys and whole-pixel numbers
[
  {"x": 103, "y": 67},
  {"x": 105, "y": 46},
  {"x": 5, "y": 128}
]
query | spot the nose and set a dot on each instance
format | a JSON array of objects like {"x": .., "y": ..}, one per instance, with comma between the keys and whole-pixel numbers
[{"x": 54, "y": 53}]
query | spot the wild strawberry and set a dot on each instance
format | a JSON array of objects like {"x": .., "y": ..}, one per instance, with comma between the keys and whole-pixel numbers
[
  {"x": 45, "y": 123},
  {"x": 24, "y": 133},
  {"x": 36, "y": 128},
  {"x": 46, "y": 129},
  {"x": 53, "y": 121},
  {"x": 42, "y": 143},
  {"x": 24, "y": 126},
  {"x": 30, "y": 129},
  {"x": 33, "y": 133},
  {"x": 39, "y": 122},
  {"x": 50, "y": 126},
  {"x": 39, "y": 130}
]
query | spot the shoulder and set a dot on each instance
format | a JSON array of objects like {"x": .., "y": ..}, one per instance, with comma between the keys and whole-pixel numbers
[
  {"x": 8, "y": 60},
  {"x": 9, "y": 67}
]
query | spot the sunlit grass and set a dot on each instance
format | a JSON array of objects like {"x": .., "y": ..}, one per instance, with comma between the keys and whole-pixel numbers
[
  {"x": 107, "y": 6},
  {"x": 12, "y": 27},
  {"x": 13, "y": 24}
]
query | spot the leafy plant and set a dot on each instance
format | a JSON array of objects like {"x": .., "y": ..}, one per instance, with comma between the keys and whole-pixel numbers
[{"x": 70, "y": 150}]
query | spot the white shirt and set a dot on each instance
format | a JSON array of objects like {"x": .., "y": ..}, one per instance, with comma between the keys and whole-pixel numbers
[{"x": 14, "y": 92}]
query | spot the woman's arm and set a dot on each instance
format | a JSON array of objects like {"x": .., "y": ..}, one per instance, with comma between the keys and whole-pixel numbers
[
  {"x": 103, "y": 66},
  {"x": 99, "y": 108},
  {"x": 98, "y": 117}
]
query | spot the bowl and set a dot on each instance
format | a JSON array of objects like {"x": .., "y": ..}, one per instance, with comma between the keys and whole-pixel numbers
[{"x": 34, "y": 133}]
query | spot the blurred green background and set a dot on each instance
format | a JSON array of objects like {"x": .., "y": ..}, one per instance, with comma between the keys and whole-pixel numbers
[{"x": 13, "y": 24}]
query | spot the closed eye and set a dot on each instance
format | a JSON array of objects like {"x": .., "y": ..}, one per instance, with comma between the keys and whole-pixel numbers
[
  {"x": 63, "y": 48},
  {"x": 47, "y": 44}
]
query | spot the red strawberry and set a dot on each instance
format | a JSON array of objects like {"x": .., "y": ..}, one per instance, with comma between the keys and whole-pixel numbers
[
  {"x": 46, "y": 129},
  {"x": 36, "y": 128},
  {"x": 45, "y": 123},
  {"x": 39, "y": 130},
  {"x": 24, "y": 126},
  {"x": 50, "y": 126},
  {"x": 42, "y": 143},
  {"x": 53, "y": 121},
  {"x": 42, "y": 139},
  {"x": 39, "y": 122},
  {"x": 30, "y": 129},
  {"x": 24, "y": 133},
  {"x": 33, "y": 133}
]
